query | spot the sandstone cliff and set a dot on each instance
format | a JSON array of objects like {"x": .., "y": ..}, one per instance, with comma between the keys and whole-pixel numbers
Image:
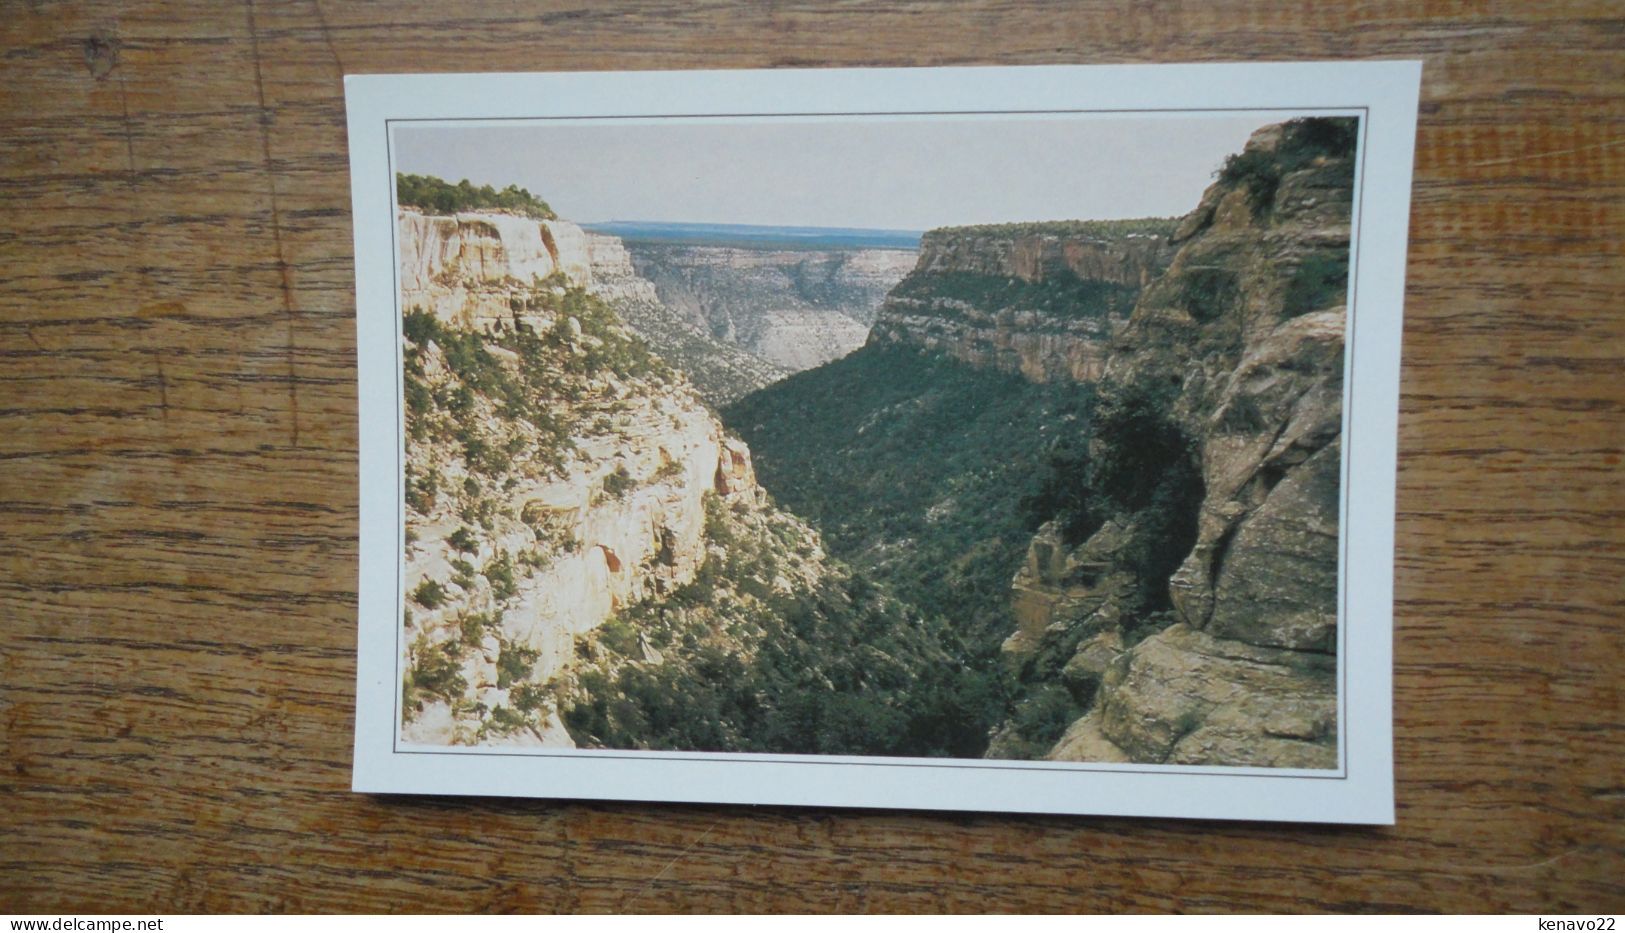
[
  {"x": 556, "y": 473},
  {"x": 540, "y": 555},
  {"x": 470, "y": 269},
  {"x": 1041, "y": 299},
  {"x": 588, "y": 557},
  {"x": 795, "y": 308},
  {"x": 1202, "y": 628}
]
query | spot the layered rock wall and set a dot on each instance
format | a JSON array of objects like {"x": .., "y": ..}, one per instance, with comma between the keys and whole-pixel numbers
[
  {"x": 613, "y": 276},
  {"x": 1043, "y": 300},
  {"x": 597, "y": 498},
  {"x": 1128, "y": 257}
]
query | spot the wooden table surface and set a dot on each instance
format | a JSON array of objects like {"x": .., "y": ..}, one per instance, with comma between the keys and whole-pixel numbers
[{"x": 178, "y": 478}]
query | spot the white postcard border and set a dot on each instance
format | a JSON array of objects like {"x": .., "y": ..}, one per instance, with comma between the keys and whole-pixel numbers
[{"x": 1360, "y": 791}]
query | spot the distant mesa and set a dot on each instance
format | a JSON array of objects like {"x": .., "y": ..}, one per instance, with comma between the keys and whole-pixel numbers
[{"x": 759, "y": 236}]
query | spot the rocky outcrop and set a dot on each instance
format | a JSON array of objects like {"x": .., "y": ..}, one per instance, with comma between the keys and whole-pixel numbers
[
  {"x": 470, "y": 269},
  {"x": 1237, "y": 351},
  {"x": 795, "y": 308},
  {"x": 1184, "y": 697},
  {"x": 1040, "y": 299},
  {"x": 613, "y": 277},
  {"x": 1058, "y": 585}
]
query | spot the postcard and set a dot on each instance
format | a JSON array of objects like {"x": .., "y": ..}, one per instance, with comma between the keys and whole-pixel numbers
[{"x": 996, "y": 439}]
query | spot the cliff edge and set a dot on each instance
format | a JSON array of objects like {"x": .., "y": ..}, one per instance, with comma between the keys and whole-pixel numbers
[
  {"x": 1041, "y": 299},
  {"x": 1185, "y": 593}
]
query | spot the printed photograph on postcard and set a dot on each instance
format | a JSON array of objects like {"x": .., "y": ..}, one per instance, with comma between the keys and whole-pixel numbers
[{"x": 978, "y": 438}]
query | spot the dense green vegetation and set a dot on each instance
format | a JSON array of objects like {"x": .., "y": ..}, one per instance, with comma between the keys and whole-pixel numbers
[
  {"x": 934, "y": 475},
  {"x": 1207, "y": 292},
  {"x": 826, "y": 665},
  {"x": 1062, "y": 295},
  {"x": 437, "y": 196},
  {"x": 917, "y": 466},
  {"x": 1137, "y": 464},
  {"x": 1138, "y": 226}
]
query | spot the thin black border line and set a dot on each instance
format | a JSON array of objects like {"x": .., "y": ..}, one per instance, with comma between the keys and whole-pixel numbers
[
  {"x": 1345, "y": 618},
  {"x": 958, "y": 763},
  {"x": 866, "y": 113}
]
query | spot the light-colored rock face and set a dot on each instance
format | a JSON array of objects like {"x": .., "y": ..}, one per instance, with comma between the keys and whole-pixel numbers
[
  {"x": 629, "y": 511},
  {"x": 1045, "y": 305},
  {"x": 798, "y": 340},
  {"x": 467, "y": 268},
  {"x": 647, "y": 541},
  {"x": 546, "y": 491},
  {"x": 795, "y": 308}
]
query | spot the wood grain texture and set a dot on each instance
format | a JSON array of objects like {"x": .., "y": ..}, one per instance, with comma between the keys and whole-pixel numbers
[{"x": 178, "y": 478}]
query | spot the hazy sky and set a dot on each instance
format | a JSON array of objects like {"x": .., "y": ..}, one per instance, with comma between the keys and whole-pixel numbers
[{"x": 910, "y": 174}]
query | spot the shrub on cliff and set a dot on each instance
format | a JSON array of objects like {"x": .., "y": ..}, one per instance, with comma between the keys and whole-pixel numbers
[
  {"x": 435, "y": 195},
  {"x": 463, "y": 540},
  {"x": 421, "y": 491},
  {"x": 429, "y": 594},
  {"x": 434, "y": 672},
  {"x": 514, "y": 664},
  {"x": 619, "y": 483},
  {"x": 499, "y": 573}
]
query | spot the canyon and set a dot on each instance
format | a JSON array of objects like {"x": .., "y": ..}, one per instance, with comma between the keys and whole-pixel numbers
[
  {"x": 1173, "y": 599},
  {"x": 1062, "y": 490}
]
